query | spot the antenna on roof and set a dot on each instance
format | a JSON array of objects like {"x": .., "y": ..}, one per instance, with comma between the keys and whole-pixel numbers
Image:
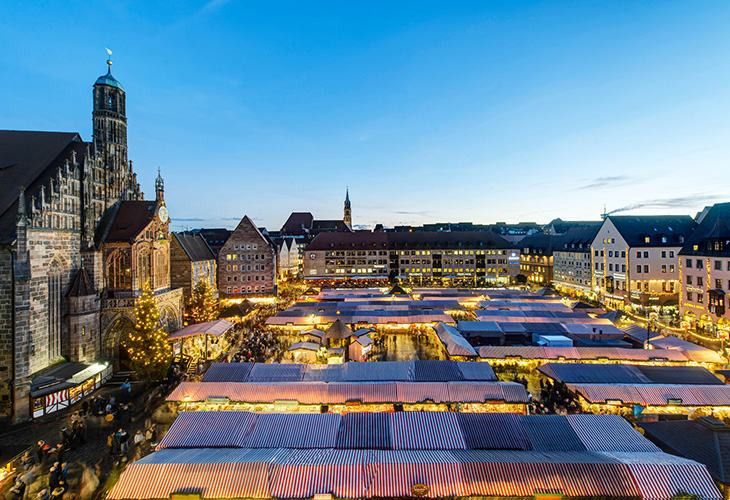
[{"x": 604, "y": 214}]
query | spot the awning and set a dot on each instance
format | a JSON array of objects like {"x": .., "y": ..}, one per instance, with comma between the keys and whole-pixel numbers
[{"x": 216, "y": 328}]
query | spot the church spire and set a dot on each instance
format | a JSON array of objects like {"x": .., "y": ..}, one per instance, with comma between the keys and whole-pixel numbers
[
  {"x": 159, "y": 186},
  {"x": 348, "y": 211}
]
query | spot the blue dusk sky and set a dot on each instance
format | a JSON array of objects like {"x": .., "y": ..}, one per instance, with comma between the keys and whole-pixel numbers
[{"x": 428, "y": 111}]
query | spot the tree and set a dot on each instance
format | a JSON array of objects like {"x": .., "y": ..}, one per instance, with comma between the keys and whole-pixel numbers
[
  {"x": 202, "y": 306},
  {"x": 149, "y": 351}
]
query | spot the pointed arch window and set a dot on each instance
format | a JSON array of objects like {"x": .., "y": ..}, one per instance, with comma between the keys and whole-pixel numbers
[
  {"x": 144, "y": 266},
  {"x": 54, "y": 310},
  {"x": 118, "y": 271}
]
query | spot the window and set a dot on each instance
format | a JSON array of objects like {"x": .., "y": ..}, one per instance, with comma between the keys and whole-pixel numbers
[
  {"x": 54, "y": 310},
  {"x": 646, "y": 255},
  {"x": 671, "y": 268},
  {"x": 718, "y": 265},
  {"x": 638, "y": 268},
  {"x": 638, "y": 255},
  {"x": 646, "y": 268},
  {"x": 664, "y": 254},
  {"x": 664, "y": 268},
  {"x": 118, "y": 273},
  {"x": 718, "y": 283},
  {"x": 689, "y": 263},
  {"x": 610, "y": 253},
  {"x": 610, "y": 267},
  {"x": 671, "y": 254},
  {"x": 646, "y": 286},
  {"x": 700, "y": 281},
  {"x": 623, "y": 254},
  {"x": 689, "y": 296},
  {"x": 623, "y": 268},
  {"x": 664, "y": 286},
  {"x": 228, "y": 289},
  {"x": 646, "y": 239},
  {"x": 700, "y": 298},
  {"x": 689, "y": 279},
  {"x": 699, "y": 264}
]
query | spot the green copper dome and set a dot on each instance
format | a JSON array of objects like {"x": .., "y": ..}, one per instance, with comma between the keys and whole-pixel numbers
[{"x": 108, "y": 79}]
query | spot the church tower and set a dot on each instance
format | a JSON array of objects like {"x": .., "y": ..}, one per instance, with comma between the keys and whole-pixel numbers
[
  {"x": 110, "y": 135},
  {"x": 348, "y": 210}
]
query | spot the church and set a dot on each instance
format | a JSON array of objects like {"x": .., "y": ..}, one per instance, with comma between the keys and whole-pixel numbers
[{"x": 78, "y": 242}]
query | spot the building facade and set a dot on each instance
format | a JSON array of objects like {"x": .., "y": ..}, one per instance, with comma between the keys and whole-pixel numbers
[
  {"x": 63, "y": 278},
  {"x": 536, "y": 258},
  {"x": 635, "y": 259},
  {"x": 572, "y": 270},
  {"x": 191, "y": 261},
  {"x": 704, "y": 269},
  {"x": 427, "y": 257},
  {"x": 247, "y": 263}
]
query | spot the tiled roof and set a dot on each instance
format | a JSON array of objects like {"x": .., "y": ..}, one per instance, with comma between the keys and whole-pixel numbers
[
  {"x": 128, "y": 220},
  {"x": 415, "y": 240},
  {"x": 636, "y": 228},
  {"x": 195, "y": 246},
  {"x": 30, "y": 159},
  {"x": 713, "y": 227},
  {"x": 82, "y": 285}
]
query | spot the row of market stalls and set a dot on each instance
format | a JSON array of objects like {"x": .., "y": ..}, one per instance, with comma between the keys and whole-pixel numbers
[
  {"x": 363, "y": 387},
  {"x": 433, "y": 455},
  {"x": 650, "y": 389},
  {"x": 201, "y": 340}
]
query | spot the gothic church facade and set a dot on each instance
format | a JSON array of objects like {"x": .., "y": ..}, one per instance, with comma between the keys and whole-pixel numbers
[{"x": 77, "y": 242}]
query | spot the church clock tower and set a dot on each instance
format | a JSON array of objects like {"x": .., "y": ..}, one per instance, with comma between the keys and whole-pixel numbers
[{"x": 110, "y": 134}]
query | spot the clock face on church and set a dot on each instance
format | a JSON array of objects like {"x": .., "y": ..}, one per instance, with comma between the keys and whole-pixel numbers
[{"x": 162, "y": 214}]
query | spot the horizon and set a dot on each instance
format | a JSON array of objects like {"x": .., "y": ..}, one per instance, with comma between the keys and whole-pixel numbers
[{"x": 466, "y": 112}]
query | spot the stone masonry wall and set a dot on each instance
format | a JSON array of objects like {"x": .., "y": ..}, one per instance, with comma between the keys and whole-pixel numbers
[{"x": 6, "y": 331}]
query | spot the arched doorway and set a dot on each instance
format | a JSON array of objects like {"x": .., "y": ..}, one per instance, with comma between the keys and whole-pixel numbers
[
  {"x": 169, "y": 319},
  {"x": 112, "y": 338}
]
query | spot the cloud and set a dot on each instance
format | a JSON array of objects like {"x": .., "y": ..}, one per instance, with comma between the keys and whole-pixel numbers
[
  {"x": 671, "y": 203},
  {"x": 406, "y": 212},
  {"x": 600, "y": 182}
]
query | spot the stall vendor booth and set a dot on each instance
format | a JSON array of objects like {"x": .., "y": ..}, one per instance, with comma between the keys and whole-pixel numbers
[
  {"x": 201, "y": 341},
  {"x": 66, "y": 385}
]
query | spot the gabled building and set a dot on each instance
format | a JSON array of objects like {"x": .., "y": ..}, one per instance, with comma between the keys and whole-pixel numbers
[
  {"x": 572, "y": 270},
  {"x": 215, "y": 238},
  {"x": 705, "y": 271},
  {"x": 289, "y": 257},
  {"x": 635, "y": 258},
  {"x": 191, "y": 261},
  {"x": 247, "y": 262}
]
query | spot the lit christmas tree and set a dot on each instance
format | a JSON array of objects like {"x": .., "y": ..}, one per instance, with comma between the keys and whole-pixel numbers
[
  {"x": 202, "y": 306},
  {"x": 149, "y": 351}
]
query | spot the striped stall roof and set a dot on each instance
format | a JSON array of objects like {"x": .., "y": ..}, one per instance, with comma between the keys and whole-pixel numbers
[
  {"x": 456, "y": 344},
  {"x": 425, "y": 430},
  {"x": 323, "y": 373},
  {"x": 475, "y": 392},
  {"x": 609, "y": 433},
  {"x": 364, "y": 431},
  {"x": 712, "y": 395},
  {"x": 499, "y": 474},
  {"x": 398, "y": 471},
  {"x": 661, "y": 476},
  {"x": 436, "y": 371},
  {"x": 473, "y": 370},
  {"x": 393, "y": 371},
  {"x": 514, "y": 392},
  {"x": 493, "y": 431},
  {"x": 660, "y": 395},
  {"x": 504, "y": 352},
  {"x": 283, "y": 473},
  {"x": 295, "y": 430},
  {"x": 551, "y": 433},
  {"x": 227, "y": 372},
  {"x": 209, "y": 429},
  {"x": 276, "y": 372},
  {"x": 602, "y": 393},
  {"x": 230, "y": 474},
  {"x": 418, "y": 392},
  {"x": 376, "y": 392}
]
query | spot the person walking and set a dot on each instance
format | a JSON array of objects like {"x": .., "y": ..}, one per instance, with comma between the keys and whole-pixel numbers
[{"x": 123, "y": 442}]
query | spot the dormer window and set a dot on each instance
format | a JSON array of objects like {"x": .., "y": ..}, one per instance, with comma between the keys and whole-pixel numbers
[
  {"x": 646, "y": 239},
  {"x": 664, "y": 239},
  {"x": 681, "y": 238}
]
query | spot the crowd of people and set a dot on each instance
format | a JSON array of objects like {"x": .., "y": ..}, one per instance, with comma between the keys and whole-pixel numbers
[
  {"x": 257, "y": 346},
  {"x": 554, "y": 399}
]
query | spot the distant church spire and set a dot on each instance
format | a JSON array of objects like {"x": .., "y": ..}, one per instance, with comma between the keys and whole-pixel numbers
[{"x": 348, "y": 211}]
